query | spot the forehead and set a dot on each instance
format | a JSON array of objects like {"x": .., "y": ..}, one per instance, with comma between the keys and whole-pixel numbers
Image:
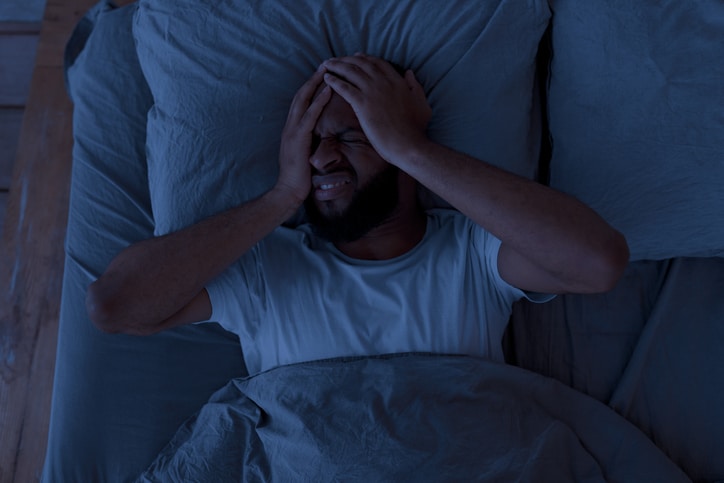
[{"x": 337, "y": 115}]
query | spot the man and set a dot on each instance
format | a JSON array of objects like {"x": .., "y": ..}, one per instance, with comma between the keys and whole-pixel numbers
[{"x": 374, "y": 273}]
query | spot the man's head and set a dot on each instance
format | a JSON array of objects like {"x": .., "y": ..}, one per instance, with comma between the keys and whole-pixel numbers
[{"x": 354, "y": 189}]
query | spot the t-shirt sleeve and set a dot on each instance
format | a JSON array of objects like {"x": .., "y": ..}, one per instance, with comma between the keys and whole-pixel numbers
[
  {"x": 223, "y": 297},
  {"x": 490, "y": 247},
  {"x": 236, "y": 293}
]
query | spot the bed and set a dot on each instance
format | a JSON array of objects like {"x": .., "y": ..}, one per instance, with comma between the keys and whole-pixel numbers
[{"x": 178, "y": 108}]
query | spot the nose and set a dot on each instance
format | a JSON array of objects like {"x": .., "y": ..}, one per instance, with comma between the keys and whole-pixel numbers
[{"x": 326, "y": 156}]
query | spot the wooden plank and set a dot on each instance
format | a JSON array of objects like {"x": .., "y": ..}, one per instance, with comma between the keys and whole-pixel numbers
[
  {"x": 10, "y": 123},
  {"x": 31, "y": 253},
  {"x": 21, "y": 10},
  {"x": 30, "y": 276},
  {"x": 17, "y": 57},
  {"x": 27, "y": 28},
  {"x": 3, "y": 204},
  {"x": 59, "y": 15}
]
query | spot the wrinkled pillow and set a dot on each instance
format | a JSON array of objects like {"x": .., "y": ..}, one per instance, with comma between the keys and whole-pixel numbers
[
  {"x": 223, "y": 75},
  {"x": 636, "y": 111}
]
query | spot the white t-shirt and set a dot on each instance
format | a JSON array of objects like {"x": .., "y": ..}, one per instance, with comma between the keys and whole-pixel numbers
[{"x": 294, "y": 297}]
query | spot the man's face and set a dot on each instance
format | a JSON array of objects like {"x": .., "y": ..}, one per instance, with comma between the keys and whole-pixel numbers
[{"x": 353, "y": 188}]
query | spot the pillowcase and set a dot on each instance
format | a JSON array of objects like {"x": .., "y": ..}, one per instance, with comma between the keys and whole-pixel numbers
[
  {"x": 636, "y": 119},
  {"x": 223, "y": 75}
]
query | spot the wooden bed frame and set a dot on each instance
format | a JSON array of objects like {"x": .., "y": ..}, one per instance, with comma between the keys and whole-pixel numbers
[{"x": 32, "y": 252}]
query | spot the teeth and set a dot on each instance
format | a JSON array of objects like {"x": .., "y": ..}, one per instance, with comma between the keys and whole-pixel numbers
[{"x": 330, "y": 186}]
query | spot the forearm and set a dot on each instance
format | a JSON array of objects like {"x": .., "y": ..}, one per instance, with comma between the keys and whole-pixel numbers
[
  {"x": 535, "y": 221},
  {"x": 152, "y": 280},
  {"x": 547, "y": 226},
  {"x": 550, "y": 240}
]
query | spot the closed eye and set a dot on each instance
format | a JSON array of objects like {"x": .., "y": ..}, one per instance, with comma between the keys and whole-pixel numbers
[{"x": 354, "y": 141}]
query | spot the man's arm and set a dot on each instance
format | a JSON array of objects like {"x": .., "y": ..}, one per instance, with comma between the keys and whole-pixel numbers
[
  {"x": 551, "y": 242},
  {"x": 159, "y": 283},
  {"x": 148, "y": 286}
]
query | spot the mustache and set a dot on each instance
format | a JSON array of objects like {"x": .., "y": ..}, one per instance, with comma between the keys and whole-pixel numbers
[{"x": 372, "y": 205}]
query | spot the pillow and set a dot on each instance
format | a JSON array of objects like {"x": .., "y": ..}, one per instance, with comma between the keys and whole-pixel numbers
[
  {"x": 223, "y": 75},
  {"x": 636, "y": 119}
]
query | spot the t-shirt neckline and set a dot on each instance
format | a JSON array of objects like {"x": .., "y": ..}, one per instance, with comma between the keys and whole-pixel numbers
[{"x": 360, "y": 261}]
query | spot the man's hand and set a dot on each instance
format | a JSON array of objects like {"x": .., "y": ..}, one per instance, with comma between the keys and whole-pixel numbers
[
  {"x": 551, "y": 242},
  {"x": 392, "y": 110},
  {"x": 295, "y": 177}
]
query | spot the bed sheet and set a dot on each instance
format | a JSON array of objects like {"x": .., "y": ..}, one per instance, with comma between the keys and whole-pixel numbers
[
  {"x": 117, "y": 399},
  {"x": 651, "y": 349}
]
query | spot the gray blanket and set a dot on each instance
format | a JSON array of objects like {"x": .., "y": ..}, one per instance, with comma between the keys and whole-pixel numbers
[{"x": 408, "y": 417}]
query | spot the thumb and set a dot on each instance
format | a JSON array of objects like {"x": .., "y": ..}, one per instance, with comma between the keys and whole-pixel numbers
[
  {"x": 414, "y": 86},
  {"x": 411, "y": 79}
]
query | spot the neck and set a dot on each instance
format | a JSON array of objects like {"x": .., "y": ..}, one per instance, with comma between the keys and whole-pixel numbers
[{"x": 399, "y": 234}]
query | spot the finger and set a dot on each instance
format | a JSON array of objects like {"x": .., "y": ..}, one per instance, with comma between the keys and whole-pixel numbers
[
  {"x": 322, "y": 89},
  {"x": 311, "y": 116},
  {"x": 378, "y": 63},
  {"x": 349, "y": 92},
  {"x": 367, "y": 58},
  {"x": 353, "y": 69},
  {"x": 414, "y": 85},
  {"x": 302, "y": 98},
  {"x": 310, "y": 86},
  {"x": 411, "y": 80}
]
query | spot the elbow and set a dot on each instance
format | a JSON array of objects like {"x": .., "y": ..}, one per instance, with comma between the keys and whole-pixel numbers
[
  {"x": 610, "y": 263},
  {"x": 104, "y": 310},
  {"x": 100, "y": 309}
]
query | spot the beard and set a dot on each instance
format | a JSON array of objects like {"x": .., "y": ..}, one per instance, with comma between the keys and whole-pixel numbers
[{"x": 371, "y": 206}]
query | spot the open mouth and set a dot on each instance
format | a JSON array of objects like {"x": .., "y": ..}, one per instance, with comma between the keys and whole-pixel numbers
[
  {"x": 331, "y": 186},
  {"x": 334, "y": 185}
]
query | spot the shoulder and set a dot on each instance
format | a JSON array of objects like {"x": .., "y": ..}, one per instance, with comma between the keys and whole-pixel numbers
[
  {"x": 448, "y": 218},
  {"x": 291, "y": 245},
  {"x": 458, "y": 227},
  {"x": 298, "y": 236}
]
